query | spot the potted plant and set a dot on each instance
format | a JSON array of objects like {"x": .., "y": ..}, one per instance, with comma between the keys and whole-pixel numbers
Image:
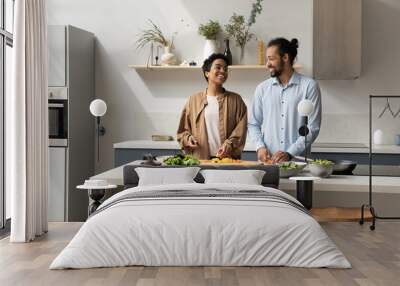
[
  {"x": 321, "y": 168},
  {"x": 239, "y": 30},
  {"x": 210, "y": 30},
  {"x": 154, "y": 35}
]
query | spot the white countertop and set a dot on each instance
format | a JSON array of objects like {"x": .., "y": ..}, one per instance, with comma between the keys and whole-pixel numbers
[
  {"x": 339, "y": 183},
  {"x": 336, "y": 183},
  {"x": 316, "y": 148}
]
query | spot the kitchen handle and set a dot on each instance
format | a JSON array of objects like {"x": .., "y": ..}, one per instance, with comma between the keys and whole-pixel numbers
[{"x": 56, "y": 105}]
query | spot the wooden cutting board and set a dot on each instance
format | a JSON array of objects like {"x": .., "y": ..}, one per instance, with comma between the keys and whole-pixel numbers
[{"x": 241, "y": 163}]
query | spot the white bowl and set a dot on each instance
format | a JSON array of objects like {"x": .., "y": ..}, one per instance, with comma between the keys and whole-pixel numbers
[
  {"x": 291, "y": 172},
  {"x": 322, "y": 171}
]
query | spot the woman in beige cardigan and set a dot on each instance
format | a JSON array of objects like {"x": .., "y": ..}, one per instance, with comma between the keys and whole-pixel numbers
[{"x": 214, "y": 122}]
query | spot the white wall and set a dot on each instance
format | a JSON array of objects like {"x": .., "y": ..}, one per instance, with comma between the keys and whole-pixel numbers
[
  {"x": 345, "y": 103},
  {"x": 145, "y": 103}
]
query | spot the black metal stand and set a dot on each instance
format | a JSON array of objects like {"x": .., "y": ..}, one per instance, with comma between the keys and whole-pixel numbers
[
  {"x": 303, "y": 131},
  {"x": 304, "y": 192},
  {"x": 96, "y": 195},
  {"x": 370, "y": 205}
]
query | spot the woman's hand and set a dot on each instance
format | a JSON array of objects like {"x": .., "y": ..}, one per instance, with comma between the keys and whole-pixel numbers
[
  {"x": 224, "y": 151},
  {"x": 192, "y": 143}
]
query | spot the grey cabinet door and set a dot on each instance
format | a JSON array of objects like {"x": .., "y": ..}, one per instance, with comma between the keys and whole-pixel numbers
[
  {"x": 57, "y": 183},
  {"x": 337, "y": 39},
  {"x": 57, "y": 55}
]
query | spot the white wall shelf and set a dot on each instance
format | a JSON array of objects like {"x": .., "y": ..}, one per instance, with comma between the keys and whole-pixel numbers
[{"x": 232, "y": 67}]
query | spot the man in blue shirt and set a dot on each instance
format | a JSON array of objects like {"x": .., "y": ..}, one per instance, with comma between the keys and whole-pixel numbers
[{"x": 274, "y": 120}]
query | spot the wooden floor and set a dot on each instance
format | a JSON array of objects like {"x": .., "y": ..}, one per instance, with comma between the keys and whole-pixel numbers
[{"x": 375, "y": 257}]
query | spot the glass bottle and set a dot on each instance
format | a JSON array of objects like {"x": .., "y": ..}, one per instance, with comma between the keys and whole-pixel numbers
[{"x": 228, "y": 52}]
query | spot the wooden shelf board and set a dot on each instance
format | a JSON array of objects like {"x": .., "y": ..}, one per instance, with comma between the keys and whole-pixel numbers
[{"x": 233, "y": 67}]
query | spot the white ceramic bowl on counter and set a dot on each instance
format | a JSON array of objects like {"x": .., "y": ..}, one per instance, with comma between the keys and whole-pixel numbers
[
  {"x": 320, "y": 170},
  {"x": 291, "y": 172}
]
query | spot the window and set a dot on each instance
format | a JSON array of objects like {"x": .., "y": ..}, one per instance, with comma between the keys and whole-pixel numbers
[{"x": 6, "y": 44}]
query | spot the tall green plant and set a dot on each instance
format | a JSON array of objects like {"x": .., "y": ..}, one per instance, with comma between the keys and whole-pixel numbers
[{"x": 239, "y": 29}]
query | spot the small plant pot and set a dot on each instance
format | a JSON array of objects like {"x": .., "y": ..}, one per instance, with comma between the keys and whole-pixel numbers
[{"x": 210, "y": 48}]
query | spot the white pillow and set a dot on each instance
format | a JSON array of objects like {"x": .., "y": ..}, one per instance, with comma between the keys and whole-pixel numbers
[
  {"x": 166, "y": 176},
  {"x": 248, "y": 177}
]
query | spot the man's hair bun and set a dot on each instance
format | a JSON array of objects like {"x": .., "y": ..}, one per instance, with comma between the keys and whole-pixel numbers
[{"x": 295, "y": 43}]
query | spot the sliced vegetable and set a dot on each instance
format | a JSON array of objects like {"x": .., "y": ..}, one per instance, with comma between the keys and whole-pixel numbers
[{"x": 289, "y": 166}]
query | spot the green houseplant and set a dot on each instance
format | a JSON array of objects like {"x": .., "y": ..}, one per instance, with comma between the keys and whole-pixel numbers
[
  {"x": 239, "y": 29},
  {"x": 210, "y": 30}
]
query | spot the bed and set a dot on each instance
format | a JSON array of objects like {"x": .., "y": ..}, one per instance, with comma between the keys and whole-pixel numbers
[{"x": 201, "y": 224}]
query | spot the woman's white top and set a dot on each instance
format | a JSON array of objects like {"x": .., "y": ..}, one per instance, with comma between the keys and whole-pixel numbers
[{"x": 212, "y": 123}]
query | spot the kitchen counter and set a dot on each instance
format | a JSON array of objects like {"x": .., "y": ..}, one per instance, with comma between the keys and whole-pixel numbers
[
  {"x": 249, "y": 147},
  {"x": 339, "y": 183},
  {"x": 335, "y": 183}
]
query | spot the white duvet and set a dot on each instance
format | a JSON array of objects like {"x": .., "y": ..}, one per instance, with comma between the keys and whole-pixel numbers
[{"x": 200, "y": 231}]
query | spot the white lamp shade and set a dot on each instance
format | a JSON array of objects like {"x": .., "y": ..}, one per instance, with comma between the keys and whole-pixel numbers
[
  {"x": 98, "y": 107},
  {"x": 305, "y": 107}
]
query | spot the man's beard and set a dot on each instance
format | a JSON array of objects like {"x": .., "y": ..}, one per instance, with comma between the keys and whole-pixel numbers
[{"x": 278, "y": 71}]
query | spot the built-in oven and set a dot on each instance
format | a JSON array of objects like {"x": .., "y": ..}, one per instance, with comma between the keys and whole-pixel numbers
[{"x": 58, "y": 117}]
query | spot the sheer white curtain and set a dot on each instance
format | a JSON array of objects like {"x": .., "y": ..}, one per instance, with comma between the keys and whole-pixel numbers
[{"x": 27, "y": 123}]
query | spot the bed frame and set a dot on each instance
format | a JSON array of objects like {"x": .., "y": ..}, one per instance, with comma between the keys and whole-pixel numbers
[{"x": 270, "y": 179}]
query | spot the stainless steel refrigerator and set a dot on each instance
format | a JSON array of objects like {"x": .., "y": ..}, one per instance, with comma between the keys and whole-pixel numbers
[{"x": 71, "y": 126}]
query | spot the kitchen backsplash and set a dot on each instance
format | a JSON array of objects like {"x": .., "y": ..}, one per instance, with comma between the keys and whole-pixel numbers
[{"x": 340, "y": 128}]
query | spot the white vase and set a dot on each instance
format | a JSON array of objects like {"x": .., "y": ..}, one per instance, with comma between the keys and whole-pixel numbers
[
  {"x": 378, "y": 137},
  {"x": 210, "y": 48},
  {"x": 168, "y": 58}
]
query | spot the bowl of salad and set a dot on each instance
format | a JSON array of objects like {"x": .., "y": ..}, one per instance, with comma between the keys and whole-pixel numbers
[
  {"x": 321, "y": 168},
  {"x": 290, "y": 169}
]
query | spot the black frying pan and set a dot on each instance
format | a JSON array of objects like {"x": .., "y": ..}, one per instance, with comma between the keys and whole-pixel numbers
[{"x": 343, "y": 167}]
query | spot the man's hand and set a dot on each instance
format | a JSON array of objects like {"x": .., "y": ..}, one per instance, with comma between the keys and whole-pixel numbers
[
  {"x": 280, "y": 156},
  {"x": 224, "y": 151},
  {"x": 263, "y": 154}
]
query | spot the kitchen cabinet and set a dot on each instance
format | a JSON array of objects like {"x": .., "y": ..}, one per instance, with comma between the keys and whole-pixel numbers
[
  {"x": 57, "y": 183},
  {"x": 71, "y": 73},
  {"x": 337, "y": 39},
  {"x": 57, "y": 55}
]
